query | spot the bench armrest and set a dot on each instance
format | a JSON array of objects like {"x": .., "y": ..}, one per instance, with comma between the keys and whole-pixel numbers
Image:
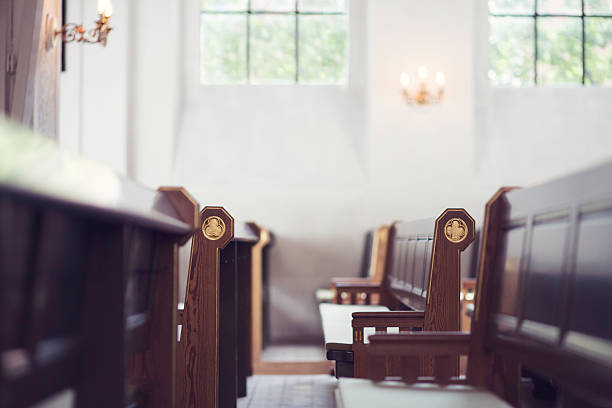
[
  {"x": 434, "y": 352},
  {"x": 354, "y": 289},
  {"x": 414, "y": 344},
  {"x": 402, "y": 319},
  {"x": 405, "y": 320},
  {"x": 348, "y": 279},
  {"x": 358, "y": 286}
]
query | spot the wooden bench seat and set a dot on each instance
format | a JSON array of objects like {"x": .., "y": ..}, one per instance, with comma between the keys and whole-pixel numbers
[
  {"x": 421, "y": 276},
  {"x": 357, "y": 393},
  {"x": 542, "y": 301},
  {"x": 375, "y": 256},
  {"x": 336, "y": 319},
  {"x": 328, "y": 295}
]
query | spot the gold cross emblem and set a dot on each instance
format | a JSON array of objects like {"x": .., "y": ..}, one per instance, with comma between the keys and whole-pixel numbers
[
  {"x": 455, "y": 230},
  {"x": 213, "y": 228}
]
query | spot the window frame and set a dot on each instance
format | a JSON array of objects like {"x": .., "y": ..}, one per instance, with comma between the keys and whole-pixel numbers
[
  {"x": 297, "y": 13},
  {"x": 535, "y": 16}
]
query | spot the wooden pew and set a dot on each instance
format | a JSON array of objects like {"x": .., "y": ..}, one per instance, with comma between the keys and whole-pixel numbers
[
  {"x": 542, "y": 302},
  {"x": 215, "y": 343},
  {"x": 469, "y": 268},
  {"x": 88, "y": 279},
  {"x": 422, "y": 285},
  {"x": 245, "y": 239},
  {"x": 257, "y": 292},
  {"x": 368, "y": 269},
  {"x": 376, "y": 272}
]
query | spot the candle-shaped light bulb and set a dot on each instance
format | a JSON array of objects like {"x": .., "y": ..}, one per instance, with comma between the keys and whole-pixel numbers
[
  {"x": 440, "y": 79},
  {"x": 105, "y": 8},
  {"x": 109, "y": 10},
  {"x": 405, "y": 80},
  {"x": 423, "y": 72}
]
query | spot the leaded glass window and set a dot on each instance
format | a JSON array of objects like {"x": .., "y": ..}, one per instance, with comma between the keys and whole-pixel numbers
[{"x": 273, "y": 42}]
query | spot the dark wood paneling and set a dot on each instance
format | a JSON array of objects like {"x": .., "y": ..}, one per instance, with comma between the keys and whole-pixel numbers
[{"x": 228, "y": 326}]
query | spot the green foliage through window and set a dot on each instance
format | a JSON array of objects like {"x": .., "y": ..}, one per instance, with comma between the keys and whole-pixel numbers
[
  {"x": 273, "y": 42},
  {"x": 550, "y": 42}
]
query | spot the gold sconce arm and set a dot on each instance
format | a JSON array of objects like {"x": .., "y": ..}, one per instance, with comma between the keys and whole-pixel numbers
[
  {"x": 75, "y": 32},
  {"x": 422, "y": 95}
]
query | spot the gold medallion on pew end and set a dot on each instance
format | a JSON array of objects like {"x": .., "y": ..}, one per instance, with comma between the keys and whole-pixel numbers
[
  {"x": 455, "y": 230},
  {"x": 213, "y": 228}
]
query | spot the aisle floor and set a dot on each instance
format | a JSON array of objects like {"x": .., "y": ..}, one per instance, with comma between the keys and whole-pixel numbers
[
  {"x": 293, "y": 352},
  {"x": 289, "y": 391}
]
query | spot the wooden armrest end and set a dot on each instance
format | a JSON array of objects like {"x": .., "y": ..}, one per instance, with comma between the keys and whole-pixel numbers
[
  {"x": 401, "y": 319},
  {"x": 410, "y": 344},
  {"x": 349, "y": 279},
  {"x": 358, "y": 286}
]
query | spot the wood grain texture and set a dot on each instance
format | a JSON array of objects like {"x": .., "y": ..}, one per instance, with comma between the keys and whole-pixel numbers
[
  {"x": 87, "y": 298},
  {"x": 155, "y": 368},
  {"x": 484, "y": 369},
  {"x": 292, "y": 367},
  {"x": 480, "y": 367},
  {"x": 185, "y": 205},
  {"x": 228, "y": 326},
  {"x": 243, "y": 320},
  {"x": 443, "y": 306},
  {"x": 342, "y": 289},
  {"x": 199, "y": 345},
  {"x": 104, "y": 321},
  {"x": 257, "y": 291},
  {"x": 435, "y": 296}
]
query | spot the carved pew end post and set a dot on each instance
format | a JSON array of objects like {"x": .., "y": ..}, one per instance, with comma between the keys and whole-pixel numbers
[{"x": 199, "y": 345}]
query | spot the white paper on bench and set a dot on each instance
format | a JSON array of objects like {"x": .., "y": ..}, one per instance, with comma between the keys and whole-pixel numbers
[
  {"x": 337, "y": 320},
  {"x": 358, "y": 393}
]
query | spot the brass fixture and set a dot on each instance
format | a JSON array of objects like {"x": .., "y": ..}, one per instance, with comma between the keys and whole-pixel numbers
[
  {"x": 76, "y": 32},
  {"x": 422, "y": 95}
]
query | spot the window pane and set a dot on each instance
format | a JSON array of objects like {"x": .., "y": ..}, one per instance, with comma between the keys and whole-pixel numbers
[
  {"x": 323, "y": 49},
  {"x": 598, "y": 49},
  {"x": 273, "y": 5},
  {"x": 511, "y": 50},
  {"x": 321, "y": 5},
  {"x": 512, "y": 6},
  {"x": 559, "y": 50},
  {"x": 224, "y": 5},
  {"x": 560, "y": 7},
  {"x": 222, "y": 49},
  {"x": 272, "y": 48},
  {"x": 595, "y": 7}
]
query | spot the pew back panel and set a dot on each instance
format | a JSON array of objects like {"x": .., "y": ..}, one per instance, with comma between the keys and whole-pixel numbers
[
  {"x": 550, "y": 291},
  {"x": 377, "y": 252},
  {"x": 87, "y": 279},
  {"x": 422, "y": 278},
  {"x": 542, "y": 296}
]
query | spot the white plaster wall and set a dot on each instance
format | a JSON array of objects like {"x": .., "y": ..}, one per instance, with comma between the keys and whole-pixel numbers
[
  {"x": 93, "y": 90},
  {"x": 528, "y": 135},
  {"x": 289, "y": 157},
  {"x": 119, "y": 104},
  {"x": 321, "y": 165}
]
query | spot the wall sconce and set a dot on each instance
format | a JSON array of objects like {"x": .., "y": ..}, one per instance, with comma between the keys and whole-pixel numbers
[
  {"x": 75, "y": 32},
  {"x": 422, "y": 95}
]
